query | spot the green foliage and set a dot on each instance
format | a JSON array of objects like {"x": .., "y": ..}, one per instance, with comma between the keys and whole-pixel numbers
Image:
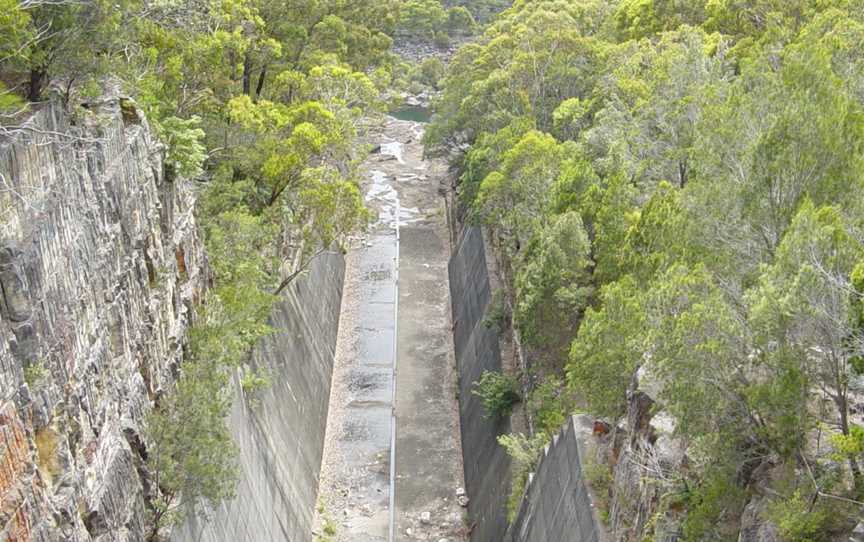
[
  {"x": 797, "y": 519},
  {"x": 253, "y": 382},
  {"x": 524, "y": 453},
  {"x": 441, "y": 40},
  {"x": 608, "y": 349},
  {"x": 851, "y": 445},
  {"x": 432, "y": 71},
  {"x": 481, "y": 10},
  {"x": 514, "y": 197},
  {"x": 9, "y": 102},
  {"x": 191, "y": 454},
  {"x": 549, "y": 404},
  {"x": 36, "y": 374},
  {"x": 712, "y": 154},
  {"x": 422, "y": 18},
  {"x": 707, "y": 502},
  {"x": 600, "y": 480},
  {"x": 498, "y": 393},
  {"x": 497, "y": 312},
  {"x": 641, "y": 18},
  {"x": 460, "y": 20},
  {"x": 658, "y": 236},
  {"x": 328, "y": 526},
  {"x": 186, "y": 151},
  {"x": 553, "y": 284}
]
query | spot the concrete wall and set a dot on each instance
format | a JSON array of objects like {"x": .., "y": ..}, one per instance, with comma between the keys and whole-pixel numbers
[
  {"x": 281, "y": 432},
  {"x": 556, "y": 504},
  {"x": 487, "y": 465}
]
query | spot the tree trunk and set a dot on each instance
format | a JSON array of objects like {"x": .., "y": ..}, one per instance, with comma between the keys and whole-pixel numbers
[
  {"x": 247, "y": 75},
  {"x": 682, "y": 173},
  {"x": 38, "y": 78},
  {"x": 261, "y": 78}
]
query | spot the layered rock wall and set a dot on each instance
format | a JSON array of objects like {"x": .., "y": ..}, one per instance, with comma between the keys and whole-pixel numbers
[{"x": 99, "y": 270}]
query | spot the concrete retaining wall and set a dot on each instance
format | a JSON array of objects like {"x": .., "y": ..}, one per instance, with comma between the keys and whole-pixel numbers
[
  {"x": 281, "y": 432},
  {"x": 487, "y": 465},
  {"x": 557, "y": 505}
]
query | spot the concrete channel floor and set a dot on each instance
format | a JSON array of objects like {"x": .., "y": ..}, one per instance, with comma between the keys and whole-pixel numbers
[{"x": 356, "y": 474}]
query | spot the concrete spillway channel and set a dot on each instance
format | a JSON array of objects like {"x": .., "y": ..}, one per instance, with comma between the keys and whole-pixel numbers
[{"x": 392, "y": 464}]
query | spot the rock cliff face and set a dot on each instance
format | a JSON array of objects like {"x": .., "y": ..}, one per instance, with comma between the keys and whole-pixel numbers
[{"x": 99, "y": 269}]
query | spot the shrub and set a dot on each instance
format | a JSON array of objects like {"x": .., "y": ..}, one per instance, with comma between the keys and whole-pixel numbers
[
  {"x": 253, "y": 381},
  {"x": 186, "y": 150},
  {"x": 460, "y": 21},
  {"x": 599, "y": 478},
  {"x": 442, "y": 40},
  {"x": 432, "y": 70},
  {"x": 496, "y": 313},
  {"x": 191, "y": 456},
  {"x": 549, "y": 405},
  {"x": 524, "y": 452},
  {"x": 499, "y": 393},
  {"x": 36, "y": 374},
  {"x": 797, "y": 520}
]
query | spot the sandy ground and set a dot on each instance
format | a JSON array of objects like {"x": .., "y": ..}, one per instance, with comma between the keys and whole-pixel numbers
[{"x": 355, "y": 476}]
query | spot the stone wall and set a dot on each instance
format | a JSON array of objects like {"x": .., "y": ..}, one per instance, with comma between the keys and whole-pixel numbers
[
  {"x": 99, "y": 269},
  {"x": 556, "y": 504},
  {"x": 487, "y": 465},
  {"x": 280, "y": 431}
]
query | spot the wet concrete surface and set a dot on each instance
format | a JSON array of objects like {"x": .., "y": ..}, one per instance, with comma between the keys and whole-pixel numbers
[{"x": 356, "y": 476}]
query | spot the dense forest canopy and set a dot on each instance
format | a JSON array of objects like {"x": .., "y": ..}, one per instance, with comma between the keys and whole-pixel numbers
[
  {"x": 675, "y": 188},
  {"x": 261, "y": 102}
]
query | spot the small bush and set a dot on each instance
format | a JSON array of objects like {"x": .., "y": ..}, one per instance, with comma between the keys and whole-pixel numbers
[
  {"x": 797, "y": 520},
  {"x": 599, "y": 478},
  {"x": 253, "y": 381},
  {"x": 442, "y": 40},
  {"x": 496, "y": 314},
  {"x": 186, "y": 150},
  {"x": 499, "y": 393},
  {"x": 524, "y": 452},
  {"x": 36, "y": 374},
  {"x": 431, "y": 71},
  {"x": 549, "y": 405}
]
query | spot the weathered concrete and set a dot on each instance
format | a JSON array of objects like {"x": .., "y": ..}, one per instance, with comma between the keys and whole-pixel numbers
[
  {"x": 487, "y": 465},
  {"x": 280, "y": 430},
  {"x": 99, "y": 268},
  {"x": 356, "y": 476},
  {"x": 428, "y": 452},
  {"x": 557, "y": 504}
]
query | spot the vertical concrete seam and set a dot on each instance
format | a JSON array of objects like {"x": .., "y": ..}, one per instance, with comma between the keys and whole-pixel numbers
[{"x": 392, "y": 526}]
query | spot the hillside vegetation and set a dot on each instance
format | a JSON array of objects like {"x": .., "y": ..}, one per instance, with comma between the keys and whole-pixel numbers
[{"x": 675, "y": 190}]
